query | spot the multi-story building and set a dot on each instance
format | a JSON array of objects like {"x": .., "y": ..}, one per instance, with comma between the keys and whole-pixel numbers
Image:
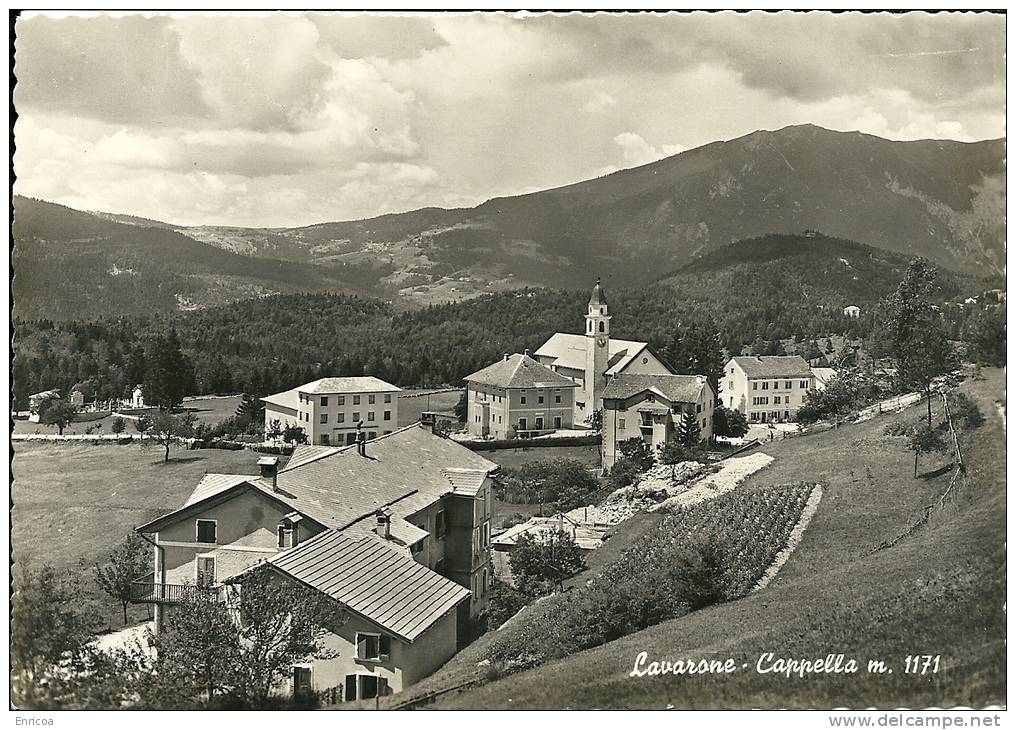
[
  {"x": 591, "y": 358},
  {"x": 330, "y": 410},
  {"x": 518, "y": 397},
  {"x": 396, "y": 530},
  {"x": 766, "y": 388},
  {"x": 651, "y": 407}
]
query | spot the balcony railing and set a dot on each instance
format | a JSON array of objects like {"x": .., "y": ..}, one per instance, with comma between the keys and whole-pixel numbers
[{"x": 146, "y": 590}]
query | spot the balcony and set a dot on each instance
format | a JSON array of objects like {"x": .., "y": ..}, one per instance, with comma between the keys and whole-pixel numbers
[{"x": 146, "y": 590}]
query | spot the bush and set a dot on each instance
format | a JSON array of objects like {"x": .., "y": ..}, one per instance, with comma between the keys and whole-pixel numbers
[
  {"x": 623, "y": 474},
  {"x": 849, "y": 391},
  {"x": 964, "y": 410},
  {"x": 566, "y": 483},
  {"x": 504, "y": 603}
]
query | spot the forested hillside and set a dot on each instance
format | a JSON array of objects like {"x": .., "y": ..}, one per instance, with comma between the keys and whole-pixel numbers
[{"x": 776, "y": 287}]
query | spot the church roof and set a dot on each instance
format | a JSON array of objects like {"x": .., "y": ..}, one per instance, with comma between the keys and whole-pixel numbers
[
  {"x": 520, "y": 371},
  {"x": 598, "y": 296},
  {"x": 569, "y": 351},
  {"x": 675, "y": 388}
]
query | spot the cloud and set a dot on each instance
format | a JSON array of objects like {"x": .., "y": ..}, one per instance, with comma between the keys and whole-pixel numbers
[
  {"x": 636, "y": 151},
  {"x": 286, "y": 118}
]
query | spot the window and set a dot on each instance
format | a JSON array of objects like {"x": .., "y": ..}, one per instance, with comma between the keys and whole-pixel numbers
[
  {"x": 373, "y": 647},
  {"x": 730, "y": 384},
  {"x": 439, "y": 524},
  {"x": 206, "y": 530},
  {"x": 522, "y": 424},
  {"x": 620, "y": 423},
  {"x": 356, "y": 416},
  {"x": 523, "y": 401},
  {"x": 356, "y": 400},
  {"x": 787, "y": 385},
  {"x": 287, "y": 535},
  {"x": 388, "y": 397},
  {"x": 601, "y": 327},
  {"x": 557, "y": 421},
  {"x": 754, "y": 386},
  {"x": 324, "y": 418},
  {"x": 324, "y": 439},
  {"x": 539, "y": 399},
  {"x": 765, "y": 385},
  {"x": 341, "y": 400},
  {"x": 804, "y": 384},
  {"x": 370, "y": 399},
  {"x": 205, "y": 571},
  {"x": 698, "y": 407},
  {"x": 387, "y": 416},
  {"x": 557, "y": 398},
  {"x": 324, "y": 401},
  {"x": 370, "y": 415},
  {"x": 340, "y": 417},
  {"x": 486, "y": 534},
  {"x": 539, "y": 423},
  {"x": 483, "y": 582},
  {"x": 364, "y": 687},
  {"x": 776, "y": 400}
]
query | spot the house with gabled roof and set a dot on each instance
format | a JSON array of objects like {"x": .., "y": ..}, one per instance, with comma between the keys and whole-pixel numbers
[
  {"x": 651, "y": 408},
  {"x": 396, "y": 530},
  {"x": 518, "y": 397},
  {"x": 592, "y": 358},
  {"x": 766, "y": 388}
]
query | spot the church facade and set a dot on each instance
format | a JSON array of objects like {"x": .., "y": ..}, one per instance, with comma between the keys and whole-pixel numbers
[{"x": 592, "y": 358}]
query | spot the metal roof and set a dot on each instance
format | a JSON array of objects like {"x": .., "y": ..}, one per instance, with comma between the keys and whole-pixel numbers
[
  {"x": 374, "y": 580},
  {"x": 675, "y": 388},
  {"x": 774, "y": 366},
  {"x": 212, "y": 484},
  {"x": 519, "y": 371},
  {"x": 403, "y": 469},
  {"x": 358, "y": 384}
]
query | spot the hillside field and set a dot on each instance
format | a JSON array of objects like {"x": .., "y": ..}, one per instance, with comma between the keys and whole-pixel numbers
[{"x": 939, "y": 591}]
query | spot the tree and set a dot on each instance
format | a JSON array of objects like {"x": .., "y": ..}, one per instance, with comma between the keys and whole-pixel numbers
[
  {"x": 543, "y": 562},
  {"x": 638, "y": 451},
  {"x": 169, "y": 373},
  {"x": 128, "y": 562},
  {"x": 911, "y": 331},
  {"x": 279, "y": 623},
  {"x": 986, "y": 334},
  {"x": 45, "y": 629},
  {"x": 57, "y": 412},
  {"x": 142, "y": 425},
  {"x": 197, "y": 652},
  {"x": 168, "y": 427},
  {"x": 249, "y": 413},
  {"x": 623, "y": 473},
  {"x": 566, "y": 483},
  {"x": 293, "y": 434},
  {"x": 688, "y": 431},
  {"x": 118, "y": 425},
  {"x": 696, "y": 351},
  {"x": 595, "y": 420},
  {"x": 729, "y": 422},
  {"x": 274, "y": 430},
  {"x": 462, "y": 407},
  {"x": 925, "y": 440}
]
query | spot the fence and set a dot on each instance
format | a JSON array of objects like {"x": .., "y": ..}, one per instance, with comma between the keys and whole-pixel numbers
[{"x": 961, "y": 471}]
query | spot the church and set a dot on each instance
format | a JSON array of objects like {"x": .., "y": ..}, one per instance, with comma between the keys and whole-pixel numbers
[{"x": 592, "y": 358}]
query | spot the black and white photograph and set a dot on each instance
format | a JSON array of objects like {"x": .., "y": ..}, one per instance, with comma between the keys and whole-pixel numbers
[{"x": 508, "y": 360}]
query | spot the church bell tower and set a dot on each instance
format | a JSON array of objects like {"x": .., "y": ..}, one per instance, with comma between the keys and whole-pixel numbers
[{"x": 597, "y": 350}]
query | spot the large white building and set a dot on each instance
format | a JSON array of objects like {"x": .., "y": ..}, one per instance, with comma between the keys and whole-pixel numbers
[
  {"x": 591, "y": 358},
  {"x": 330, "y": 409},
  {"x": 766, "y": 388}
]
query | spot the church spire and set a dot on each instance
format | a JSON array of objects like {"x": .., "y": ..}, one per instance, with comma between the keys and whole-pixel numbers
[{"x": 598, "y": 297}]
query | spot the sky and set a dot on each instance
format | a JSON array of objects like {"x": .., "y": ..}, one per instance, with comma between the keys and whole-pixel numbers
[{"x": 292, "y": 119}]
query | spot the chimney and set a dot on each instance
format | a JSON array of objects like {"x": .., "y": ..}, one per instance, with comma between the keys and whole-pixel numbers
[
  {"x": 506, "y": 357},
  {"x": 269, "y": 466},
  {"x": 527, "y": 352},
  {"x": 384, "y": 523}
]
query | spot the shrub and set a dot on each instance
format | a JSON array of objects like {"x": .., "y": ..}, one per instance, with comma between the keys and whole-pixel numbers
[
  {"x": 504, "y": 603},
  {"x": 965, "y": 410},
  {"x": 623, "y": 474},
  {"x": 566, "y": 483}
]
